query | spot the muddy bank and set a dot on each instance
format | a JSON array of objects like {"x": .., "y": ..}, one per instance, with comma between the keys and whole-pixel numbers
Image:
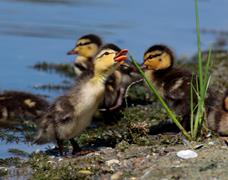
[
  {"x": 128, "y": 161},
  {"x": 124, "y": 146}
]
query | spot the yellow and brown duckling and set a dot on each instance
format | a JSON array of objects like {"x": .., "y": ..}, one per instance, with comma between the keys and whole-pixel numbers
[
  {"x": 86, "y": 48},
  {"x": 70, "y": 114},
  {"x": 173, "y": 83},
  {"x": 217, "y": 117},
  {"x": 21, "y": 105}
]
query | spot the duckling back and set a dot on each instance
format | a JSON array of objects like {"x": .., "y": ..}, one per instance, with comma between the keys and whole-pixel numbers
[
  {"x": 70, "y": 114},
  {"x": 217, "y": 117},
  {"x": 22, "y": 105}
]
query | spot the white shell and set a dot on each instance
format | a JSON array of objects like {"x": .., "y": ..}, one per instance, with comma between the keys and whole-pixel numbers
[{"x": 187, "y": 154}]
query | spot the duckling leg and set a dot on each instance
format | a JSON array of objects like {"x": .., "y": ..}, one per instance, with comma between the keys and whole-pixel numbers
[
  {"x": 75, "y": 146},
  {"x": 60, "y": 146},
  {"x": 119, "y": 100}
]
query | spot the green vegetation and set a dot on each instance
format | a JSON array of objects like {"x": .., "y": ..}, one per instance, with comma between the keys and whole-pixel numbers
[
  {"x": 65, "y": 70},
  {"x": 199, "y": 90},
  {"x": 198, "y": 111}
]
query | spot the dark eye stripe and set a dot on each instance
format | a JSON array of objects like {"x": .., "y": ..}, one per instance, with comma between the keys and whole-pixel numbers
[
  {"x": 105, "y": 54},
  {"x": 83, "y": 44},
  {"x": 153, "y": 56}
]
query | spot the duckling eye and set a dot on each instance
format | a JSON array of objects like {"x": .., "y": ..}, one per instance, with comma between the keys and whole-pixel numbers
[
  {"x": 159, "y": 59},
  {"x": 106, "y": 53},
  {"x": 89, "y": 47}
]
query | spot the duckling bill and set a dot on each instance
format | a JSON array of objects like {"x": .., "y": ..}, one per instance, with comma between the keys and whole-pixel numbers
[
  {"x": 71, "y": 113},
  {"x": 86, "y": 48}
]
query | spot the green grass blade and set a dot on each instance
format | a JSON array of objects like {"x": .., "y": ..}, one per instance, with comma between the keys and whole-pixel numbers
[{"x": 165, "y": 106}]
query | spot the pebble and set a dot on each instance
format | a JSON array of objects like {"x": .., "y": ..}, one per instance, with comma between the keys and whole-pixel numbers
[
  {"x": 187, "y": 154},
  {"x": 112, "y": 161},
  {"x": 116, "y": 176},
  {"x": 211, "y": 143},
  {"x": 86, "y": 172}
]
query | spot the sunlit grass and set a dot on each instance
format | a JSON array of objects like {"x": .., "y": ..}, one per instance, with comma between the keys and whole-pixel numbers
[{"x": 200, "y": 90}]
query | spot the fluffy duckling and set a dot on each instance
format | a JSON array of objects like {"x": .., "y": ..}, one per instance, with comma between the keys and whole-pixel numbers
[
  {"x": 70, "y": 114},
  {"x": 22, "y": 105},
  {"x": 217, "y": 118},
  {"x": 117, "y": 84},
  {"x": 86, "y": 48},
  {"x": 173, "y": 83}
]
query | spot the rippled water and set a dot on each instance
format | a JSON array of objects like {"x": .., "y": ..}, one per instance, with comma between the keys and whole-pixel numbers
[{"x": 38, "y": 30}]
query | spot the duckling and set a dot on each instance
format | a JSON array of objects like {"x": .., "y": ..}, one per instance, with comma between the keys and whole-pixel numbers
[
  {"x": 86, "y": 48},
  {"x": 22, "y": 105},
  {"x": 172, "y": 83},
  {"x": 217, "y": 117},
  {"x": 71, "y": 113},
  {"x": 116, "y": 86}
]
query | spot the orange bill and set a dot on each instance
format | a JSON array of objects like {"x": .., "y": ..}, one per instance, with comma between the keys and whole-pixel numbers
[
  {"x": 72, "y": 52},
  {"x": 121, "y": 56}
]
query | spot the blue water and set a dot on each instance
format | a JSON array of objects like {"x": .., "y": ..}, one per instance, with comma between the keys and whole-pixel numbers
[
  {"x": 38, "y": 30},
  {"x": 33, "y": 31}
]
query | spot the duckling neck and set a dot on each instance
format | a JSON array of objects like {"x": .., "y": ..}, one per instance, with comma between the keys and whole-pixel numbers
[
  {"x": 161, "y": 73},
  {"x": 99, "y": 78}
]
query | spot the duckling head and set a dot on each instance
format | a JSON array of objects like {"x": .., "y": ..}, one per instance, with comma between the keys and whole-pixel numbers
[
  {"x": 225, "y": 103},
  {"x": 158, "y": 57},
  {"x": 87, "y": 46},
  {"x": 109, "y": 59}
]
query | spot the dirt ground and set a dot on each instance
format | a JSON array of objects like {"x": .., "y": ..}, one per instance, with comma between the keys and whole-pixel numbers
[{"x": 126, "y": 148}]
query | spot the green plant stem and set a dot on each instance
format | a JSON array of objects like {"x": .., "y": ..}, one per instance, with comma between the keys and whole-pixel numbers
[
  {"x": 202, "y": 76},
  {"x": 169, "y": 112}
]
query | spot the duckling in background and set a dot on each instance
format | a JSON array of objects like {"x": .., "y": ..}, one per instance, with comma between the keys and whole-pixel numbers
[
  {"x": 172, "y": 83},
  {"x": 116, "y": 86},
  {"x": 21, "y": 105},
  {"x": 217, "y": 117},
  {"x": 86, "y": 48},
  {"x": 70, "y": 114}
]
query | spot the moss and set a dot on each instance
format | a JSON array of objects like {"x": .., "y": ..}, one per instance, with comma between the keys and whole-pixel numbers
[
  {"x": 12, "y": 161},
  {"x": 53, "y": 86},
  {"x": 3, "y": 172},
  {"x": 133, "y": 127},
  {"x": 18, "y": 152},
  {"x": 65, "y": 70},
  {"x": 48, "y": 168}
]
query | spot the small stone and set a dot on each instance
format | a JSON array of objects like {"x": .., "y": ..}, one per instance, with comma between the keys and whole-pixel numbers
[
  {"x": 198, "y": 146},
  {"x": 60, "y": 159},
  {"x": 209, "y": 135},
  {"x": 211, "y": 143},
  {"x": 4, "y": 169},
  {"x": 116, "y": 176},
  {"x": 187, "y": 154},
  {"x": 86, "y": 172},
  {"x": 112, "y": 161}
]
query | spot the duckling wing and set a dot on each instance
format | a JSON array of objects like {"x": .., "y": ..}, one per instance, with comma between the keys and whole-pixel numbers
[
  {"x": 177, "y": 84},
  {"x": 58, "y": 114},
  {"x": 177, "y": 89},
  {"x": 61, "y": 111}
]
